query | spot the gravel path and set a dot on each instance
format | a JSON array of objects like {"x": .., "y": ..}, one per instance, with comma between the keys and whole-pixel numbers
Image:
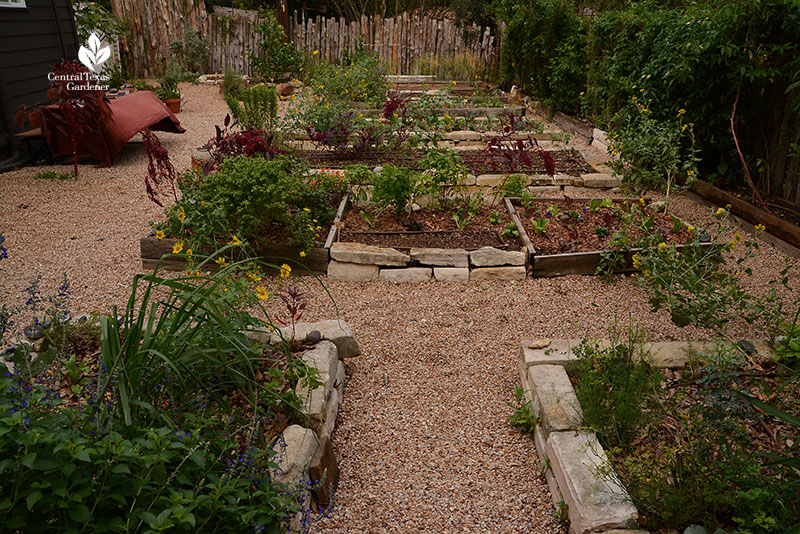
[{"x": 422, "y": 437}]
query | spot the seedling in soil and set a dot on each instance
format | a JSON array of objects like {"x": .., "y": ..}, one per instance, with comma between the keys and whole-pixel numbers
[
  {"x": 540, "y": 225},
  {"x": 510, "y": 230},
  {"x": 494, "y": 218},
  {"x": 601, "y": 231}
]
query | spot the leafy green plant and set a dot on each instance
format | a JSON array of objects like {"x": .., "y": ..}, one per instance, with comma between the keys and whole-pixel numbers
[
  {"x": 601, "y": 231},
  {"x": 540, "y": 225},
  {"x": 193, "y": 52},
  {"x": 522, "y": 417},
  {"x": 248, "y": 197},
  {"x": 495, "y": 217},
  {"x": 360, "y": 78},
  {"x": 444, "y": 171},
  {"x": 510, "y": 230},
  {"x": 274, "y": 56},
  {"x": 257, "y": 109},
  {"x": 614, "y": 385},
  {"x": 514, "y": 186},
  {"x": 52, "y": 175},
  {"x": 561, "y": 513},
  {"x": 233, "y": 85},
  {"x": 168, "y": 83},
  {"x": 395, "y": 186},
  {"x": 461, "y": 220},
  {"x": 596, "y": 203},
  {"x": 654, "y": 154}
]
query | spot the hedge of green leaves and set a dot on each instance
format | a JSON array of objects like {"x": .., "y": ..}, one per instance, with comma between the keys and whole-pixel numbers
[{"x": 700, "y": 57}]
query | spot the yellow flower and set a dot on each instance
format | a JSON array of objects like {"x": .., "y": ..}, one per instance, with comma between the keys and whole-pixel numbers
[
  {"x": 306, "y": 210},
  {"x": 315, "y": 52},
  {"x": 642, "y": 201},
  {"x": 647, "y": 273},
  {"x": 176, "y": 249},
  {"x": 737, "y": 237},
  {"x": 203, "y": 203},
  {"x": 221, "y": 261},
  {"x": 662, "y": 247},
  {"x": 160, "y": 235},
  {"x": 690, "y": 229},
  {"x": 261, "y": 293},
  {"x": 760, "y": 228},
  {"x": 636, "y": 261},
  {"x": 581, "y": 93},
  {"x": 285, "y": 271},
  {"x": 327, "y": 105},
  {"x": 189, "y": 252},
  {"x": 181, "y": 214},
  {"x": 253, "y": 276},
  {"x": 683, "y": 128},
  {"x": 720, "y": 211},
  {"x": 681, "y": 112},
  {"x": 302, "y": 253},
  {"x": 689, "y": 172},
  {"x": 235, "y": 241}
]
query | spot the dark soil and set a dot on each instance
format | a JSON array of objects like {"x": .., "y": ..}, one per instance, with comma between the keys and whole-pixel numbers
[
  {"x": 573, "y": 228},
  {"x": 431, "y": 228},
  {"x": 776, "y": 206},
  {"x": 477, "y": 161}
]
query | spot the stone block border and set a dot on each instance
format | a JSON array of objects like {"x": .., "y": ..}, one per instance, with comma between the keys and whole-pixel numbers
[
  {"x": 570, "y": 454},
  {"x": 305, "y": 453}
]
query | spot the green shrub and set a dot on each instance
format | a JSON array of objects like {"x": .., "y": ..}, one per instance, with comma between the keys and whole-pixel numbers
[
  {"x": 543, "y": 49},
  {"x": 614, "y": 386},
  {"x": 274, "y": 58},
  {"x": 249, "y": 197},
  {"x": 360, "y": 78},
  {"x": 257, "y": 109},
  {"x": 233, "y": 85},
  {"x": 64, "y": 469},
  {"x": 193, "y": 52},
  {"x": 394, "y": 186}
]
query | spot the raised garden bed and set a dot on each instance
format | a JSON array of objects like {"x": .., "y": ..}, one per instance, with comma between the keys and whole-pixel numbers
[
  {"x": 314, "y": 262},
  {"x": 567, "y": 161},
  {"x": 426, "y": 243},
  {"x": 576, "y": 466},
  {"x": 569, "y": 243}
]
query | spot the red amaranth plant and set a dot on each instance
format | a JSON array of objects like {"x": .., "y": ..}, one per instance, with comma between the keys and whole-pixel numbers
[
  {"x": 78, "y": 111},
  {"x": 228, "y": 143},
  {"x": 160, "y": 170},
  {"x": 396, "y": 102}
]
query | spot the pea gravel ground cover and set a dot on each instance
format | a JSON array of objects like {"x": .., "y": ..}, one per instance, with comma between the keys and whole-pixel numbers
[{"x": 423, "y": 439}]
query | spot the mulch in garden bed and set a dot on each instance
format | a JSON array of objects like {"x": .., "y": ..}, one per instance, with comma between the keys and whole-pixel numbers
[
  {"x": 575, "y": 228},
  {"x": 477, "y": 161},
  {"x": 429, "y": 228}
]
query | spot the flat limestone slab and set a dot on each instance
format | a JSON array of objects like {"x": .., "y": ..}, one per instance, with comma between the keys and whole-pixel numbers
[
  {"x": 493, "y": 257},
  {"x": 451, "y": 274},
  {"x": 352, "y": 272},
  {"x": 368, "y": 254},
  {"x": 441, "y": 257},
  {"x": 554, "y": 400},
  {"x": 498, "y": 273},
  {"x": 463, "y": 135},
  {"x": 408, "y": 275},
  {"x": 601, "y": 181},
  {"x": 595, "y": 505},
  {"x": 294, "y": 458},
  {"x": 673, "y": 354},
  {"x": 334, "y": 330}
]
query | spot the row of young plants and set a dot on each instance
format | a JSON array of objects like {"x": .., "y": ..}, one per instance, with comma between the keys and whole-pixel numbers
[{"x": 164, "y": 418}]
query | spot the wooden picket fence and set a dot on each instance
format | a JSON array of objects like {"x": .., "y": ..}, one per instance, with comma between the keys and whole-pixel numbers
[{"x": 405, "y": 41}]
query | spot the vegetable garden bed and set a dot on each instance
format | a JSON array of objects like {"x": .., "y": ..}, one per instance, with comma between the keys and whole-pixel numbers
[{"x": 571, "y": 236}]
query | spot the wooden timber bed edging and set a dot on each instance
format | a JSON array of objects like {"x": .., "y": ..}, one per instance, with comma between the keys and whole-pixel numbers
[{"x": 747, "y": 211}]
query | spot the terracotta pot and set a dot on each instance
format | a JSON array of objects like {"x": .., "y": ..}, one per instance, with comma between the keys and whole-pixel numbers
[{"x": 174, "y": 104}]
